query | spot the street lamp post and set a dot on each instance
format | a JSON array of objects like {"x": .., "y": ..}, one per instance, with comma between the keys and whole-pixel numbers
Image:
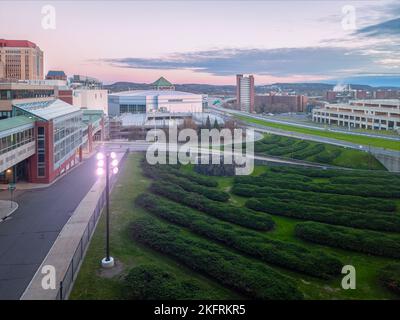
[{"x": 103, "y": 167}]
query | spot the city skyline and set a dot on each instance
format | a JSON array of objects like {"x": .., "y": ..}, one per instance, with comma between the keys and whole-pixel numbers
[{"x": 140, "y": 41}]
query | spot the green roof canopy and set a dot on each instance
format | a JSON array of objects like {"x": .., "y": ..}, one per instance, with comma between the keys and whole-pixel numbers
[
  {"x": 15, "y": 122},
  {"x": 162, "y": 82}
]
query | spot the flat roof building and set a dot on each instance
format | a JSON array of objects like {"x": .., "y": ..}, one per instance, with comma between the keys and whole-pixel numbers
[
  {"x": 245, "y": 93},
  {"x": 379, "y": 114},
  {"x": 147, "y": 101},
  {"x": 20, "y": 60},
  {"x": 56, "y": 75}
]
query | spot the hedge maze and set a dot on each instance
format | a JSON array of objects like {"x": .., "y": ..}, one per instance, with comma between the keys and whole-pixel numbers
[
  {"x": 231, "y": 237},
  {"x": 287, "y": 147}
]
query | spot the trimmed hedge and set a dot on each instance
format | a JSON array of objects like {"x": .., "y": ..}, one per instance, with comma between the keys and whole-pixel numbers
[
  {"x": 330, "y": 173},
  {"x": 284, "y": 254},
  {"x": 361, "y": 203},
  {"x": 152, "y": 171},
  {"x": 364, "y": 180},
  {"x": 250, "y": 278},
  {"x": 152, "y": 282},
  {"x": 308, "y": 152},
  {"x": 389, "y": 276},
  {"x": 355, "y": 190},
  {"x": 364, "y": 241},
  {"x": 349, "y": 219},
  {"x": 328, "y": 156},
  {"x": 241, "y": 216},
  {"x": 157, "y": 173}
]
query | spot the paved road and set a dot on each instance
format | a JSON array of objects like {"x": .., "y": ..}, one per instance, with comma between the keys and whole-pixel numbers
[
  {"x": 27, "y": 236},
  {"x": 313, "y": 126},
  {"x": 261, "y": 128}
]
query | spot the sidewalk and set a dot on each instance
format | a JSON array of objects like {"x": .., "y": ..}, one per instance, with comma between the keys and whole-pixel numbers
[{"x": 7, "y": 207}]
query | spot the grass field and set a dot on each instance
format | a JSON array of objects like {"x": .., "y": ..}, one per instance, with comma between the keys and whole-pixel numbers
[
  {"x": 286, "y": 147},
  {"x": 362, "y": 140},
  {"x": 92, "y": 283}
]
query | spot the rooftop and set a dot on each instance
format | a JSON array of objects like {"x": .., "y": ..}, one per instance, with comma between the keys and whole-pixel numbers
[
  {"x": 56, "y": 73},
  {"x": 162, "y": 82},
  {"x": 48, "y": 110},
  {"x": 395, "y": 102},
  {"x": 17, "y": 43},
  {"x": 91, "y": 116},
  {"x": 14, "y": 122},
  {"x": 152, "y": 93}
]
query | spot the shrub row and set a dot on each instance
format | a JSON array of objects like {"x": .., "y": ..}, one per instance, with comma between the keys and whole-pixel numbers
[
  {"x": 364, "y": 241},
  {"x": 364, "y": 180},
  {"x": 355, "y": 190},
  {"x": 389, "y": 276},
  {"x": 152, "y": 170},
  {"x": 349, "y": 219},
  {"x": 328, "y": 156},
  {"x": 226, "y": 212},
  {"x": 285, "y": 176},
  {"x": 288, "y": 150},
  {"x": 308, "y": 152},
  {"x": 152, "y": 282},
  {"x": 361, "y": 203},
  {"x": 284, "y": 254},
  {"x": 330, "y": 173},
  {"x": 252, "y": 279},
  {"x": 271, "y": 139},
  {"x": 186, "y": 184}
]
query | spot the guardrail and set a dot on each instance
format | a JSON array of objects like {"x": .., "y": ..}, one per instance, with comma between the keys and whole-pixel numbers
[{"x": 75, "y": 263}]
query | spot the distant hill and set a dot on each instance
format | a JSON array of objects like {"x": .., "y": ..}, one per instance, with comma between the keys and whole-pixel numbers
[{"x": 300, "y": 88}]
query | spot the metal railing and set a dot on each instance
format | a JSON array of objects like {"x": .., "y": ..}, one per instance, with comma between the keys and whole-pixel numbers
[{"x": 72, "y": 271}]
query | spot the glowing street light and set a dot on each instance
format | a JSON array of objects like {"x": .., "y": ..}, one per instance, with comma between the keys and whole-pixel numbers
[{"x": 103, "y": 167}]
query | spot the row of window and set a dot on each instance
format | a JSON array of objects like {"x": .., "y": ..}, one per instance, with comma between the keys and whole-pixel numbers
[
  {"x": 8, "y": 94},
  {"x": 132, "y": 108},
  {"x": 67, "y": 137},
  {"x": 41, "y": 151},
  {"x": 16, "y": 140}
]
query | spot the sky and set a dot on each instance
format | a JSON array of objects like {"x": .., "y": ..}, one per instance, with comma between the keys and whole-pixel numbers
[{"x": 193, "y": 41}]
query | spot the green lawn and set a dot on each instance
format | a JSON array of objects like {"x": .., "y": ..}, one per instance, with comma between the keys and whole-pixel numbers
[
  {"x": 362, "y": 140},
  {"x": 91, "y": 284}
]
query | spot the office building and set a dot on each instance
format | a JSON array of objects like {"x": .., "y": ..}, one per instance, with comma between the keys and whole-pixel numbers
[
  {"x": 280, "y": 103},
  {"x": 45, "y": 139},
  {"x": 364, "y": 114},
  {"x": 20, "y": 60},
  {"x": 245, "y": 93}
]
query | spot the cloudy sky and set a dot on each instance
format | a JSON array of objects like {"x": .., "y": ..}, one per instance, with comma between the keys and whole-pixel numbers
[{"x": 210, "y": 41}]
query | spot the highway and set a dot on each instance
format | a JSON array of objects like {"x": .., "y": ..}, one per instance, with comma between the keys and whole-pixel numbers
[
  {"x": 303, "y": 125},
  {"x": 316, "y": 138}
]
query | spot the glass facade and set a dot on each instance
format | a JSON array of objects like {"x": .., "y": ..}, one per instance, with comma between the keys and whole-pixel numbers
[
  {"x": 132, "y": 108},
  {"x": 67, "y": 138},
  {"x": 9, "y": 94},
  {"x": 41, "y": 151},
  {"x": 16, "y": 140}
]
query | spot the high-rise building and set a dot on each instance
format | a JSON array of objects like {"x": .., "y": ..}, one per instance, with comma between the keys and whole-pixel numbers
[
  {"x": 245, "y": 93},
  {"x": 20, "y": 60}
]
